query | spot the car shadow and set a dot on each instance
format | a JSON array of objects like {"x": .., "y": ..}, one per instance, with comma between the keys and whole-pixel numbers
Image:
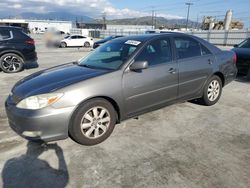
[{"x": 30, "y": 171}]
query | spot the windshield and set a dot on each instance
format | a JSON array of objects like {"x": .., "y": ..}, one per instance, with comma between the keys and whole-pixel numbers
[
  {"x": 111, "y": 55},
  {"x": 245, "y": 44}
]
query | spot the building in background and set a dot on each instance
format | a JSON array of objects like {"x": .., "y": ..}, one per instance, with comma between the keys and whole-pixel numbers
[
  {"x": 14, "y": 22},
  {"x": 82, "y": 25},
  {"x": 39, "y": 26},
  {"x": 132, "y": 28},
  {"x": 43, "y": 25}
]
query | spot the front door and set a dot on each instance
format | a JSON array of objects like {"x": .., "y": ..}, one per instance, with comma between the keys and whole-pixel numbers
[{"x": 155, "y": 85}]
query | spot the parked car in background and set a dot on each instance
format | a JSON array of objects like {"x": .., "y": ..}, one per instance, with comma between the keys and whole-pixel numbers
[
  {"x": 121, "y": 79},
  {"x": 150, "y": 32},
  {"x": 77, "y": 41},
  {"x": 242, "y": 51},
  {"x": 17, "y": 49},
  {"x": 102, "y": 41}
]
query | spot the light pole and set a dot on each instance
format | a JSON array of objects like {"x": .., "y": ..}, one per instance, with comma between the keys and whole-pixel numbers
[{"x": 188, "y": 4}]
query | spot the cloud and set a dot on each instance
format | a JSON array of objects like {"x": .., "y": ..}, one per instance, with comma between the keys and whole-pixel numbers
[{"x": 91, "y": 8}]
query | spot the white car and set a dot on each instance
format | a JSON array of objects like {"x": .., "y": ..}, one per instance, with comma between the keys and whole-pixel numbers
[{"x": 77, "y": 40}]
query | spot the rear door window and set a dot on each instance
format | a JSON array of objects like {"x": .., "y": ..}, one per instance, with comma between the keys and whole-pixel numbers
[
  {"x": 4, "y": 34},
  {"x": 204, "y": 50},
  {"x": 187, "y": 47}
]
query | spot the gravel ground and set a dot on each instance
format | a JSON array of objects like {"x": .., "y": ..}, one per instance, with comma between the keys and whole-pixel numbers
[{"x": 183, "y": 145}]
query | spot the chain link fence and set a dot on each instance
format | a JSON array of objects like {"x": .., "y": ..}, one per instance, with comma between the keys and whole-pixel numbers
[{"x": 220, "y": 37}]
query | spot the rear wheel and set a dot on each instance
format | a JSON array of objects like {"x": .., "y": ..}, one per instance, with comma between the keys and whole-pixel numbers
[
  {"x": 93, "y": 122},
  {"x": 11, "y": 63},
  {"x": 63, "y": 45},
  {"x": 86, "y": 44},
  {"x": 212, "y": 91}
]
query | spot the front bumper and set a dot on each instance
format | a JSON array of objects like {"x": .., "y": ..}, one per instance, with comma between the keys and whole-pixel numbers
[{"x": 47, "y": 124}]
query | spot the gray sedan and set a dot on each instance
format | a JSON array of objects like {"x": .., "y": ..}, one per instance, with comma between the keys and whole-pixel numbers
[{"x": 122, "y": 79}]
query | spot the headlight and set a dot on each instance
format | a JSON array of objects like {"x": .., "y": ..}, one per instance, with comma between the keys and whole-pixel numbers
[{"x": 39, "y": 101}]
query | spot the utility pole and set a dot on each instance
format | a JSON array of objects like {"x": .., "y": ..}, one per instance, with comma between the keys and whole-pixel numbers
[
  {"x": 188, "y": 4},
  {"x": 104, "y": 20},
  {"x": 153, "y": 14}
]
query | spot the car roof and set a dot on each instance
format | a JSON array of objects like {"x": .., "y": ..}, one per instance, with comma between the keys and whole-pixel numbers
[
  {"x": 145, "y": 37},
  {"x": 10, "y": 27}
]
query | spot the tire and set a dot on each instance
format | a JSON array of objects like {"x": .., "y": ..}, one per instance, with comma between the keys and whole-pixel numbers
[
  {"x": 11, "y": 63},
  {"x": 63, "y": 44},
  {"x": 86, "y": 45},
  {"x": 212, "y": 91},
  {"x": 85, "y": 124}
]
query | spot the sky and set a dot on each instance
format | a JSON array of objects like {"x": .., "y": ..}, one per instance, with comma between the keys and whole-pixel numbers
[{"x": 132, "y": 8}]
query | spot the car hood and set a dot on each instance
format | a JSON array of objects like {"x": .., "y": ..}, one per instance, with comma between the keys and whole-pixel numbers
[
  {"x": 53, "y": 79},
  {"x": 242, "y": 52}
]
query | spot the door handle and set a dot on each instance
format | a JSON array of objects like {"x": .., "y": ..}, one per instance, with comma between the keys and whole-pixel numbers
[
  {"x": 210, "y": 62},
  {"x": 172, "y": 70}
]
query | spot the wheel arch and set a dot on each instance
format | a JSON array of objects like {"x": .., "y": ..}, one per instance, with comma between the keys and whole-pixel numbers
[
  {"x": 221, "y": 76},
  {"x": 12, "y": 52},
  {"x": 109, "y": 99}
]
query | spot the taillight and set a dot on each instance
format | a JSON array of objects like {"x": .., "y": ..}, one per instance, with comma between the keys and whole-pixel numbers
[
  {"x": 30, "y": 42},
  {"x": 235, "y": 58}
]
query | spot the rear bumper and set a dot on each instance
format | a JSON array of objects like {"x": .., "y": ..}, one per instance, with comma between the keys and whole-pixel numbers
[
  {"x": 30, "y": 57},
  {"x": 48, "y": 124},
  {"x": 231, "y": 76}
]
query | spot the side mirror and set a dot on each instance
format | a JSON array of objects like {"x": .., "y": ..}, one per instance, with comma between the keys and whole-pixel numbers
[
  {"x": 236, "y": 45},
  {"x": 138, "y": 65}
]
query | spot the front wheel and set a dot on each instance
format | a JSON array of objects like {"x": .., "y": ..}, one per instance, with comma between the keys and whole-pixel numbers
[
  {"x": 212, "y": 91},
  {"x": 93, "y": 122}
]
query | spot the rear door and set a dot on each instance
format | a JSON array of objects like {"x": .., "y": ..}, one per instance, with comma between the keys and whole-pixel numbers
[
  {"x": 195, "y": 65},
  {"x": 155, "y": 85}
]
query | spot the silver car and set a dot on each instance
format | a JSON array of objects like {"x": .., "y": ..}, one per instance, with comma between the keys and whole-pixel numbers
[{"x": 121, "y": 79}]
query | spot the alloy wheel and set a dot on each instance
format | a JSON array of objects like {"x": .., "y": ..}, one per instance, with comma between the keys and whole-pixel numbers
[
  {"x": 11, "y": 63},
  {"x": 95, "y": 122},
  {"x": 213, "y": 90}
]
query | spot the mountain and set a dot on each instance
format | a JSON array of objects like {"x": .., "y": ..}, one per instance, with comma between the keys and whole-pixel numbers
[
  {"x": 147, "y": 20},
  {"x": 64, "y": 16}
]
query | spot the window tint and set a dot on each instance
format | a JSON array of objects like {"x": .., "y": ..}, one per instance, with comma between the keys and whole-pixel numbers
[
  {"x": 81, "y": 37},
  {"x": 74, "y": 37},
  {"x": 187, "y": 47},
  {"x": 204, "y": 50},
  {"x": 157, "y": 52},
  {"x": 4, "y": 34},
  {"x": 245, "y": 44}
]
